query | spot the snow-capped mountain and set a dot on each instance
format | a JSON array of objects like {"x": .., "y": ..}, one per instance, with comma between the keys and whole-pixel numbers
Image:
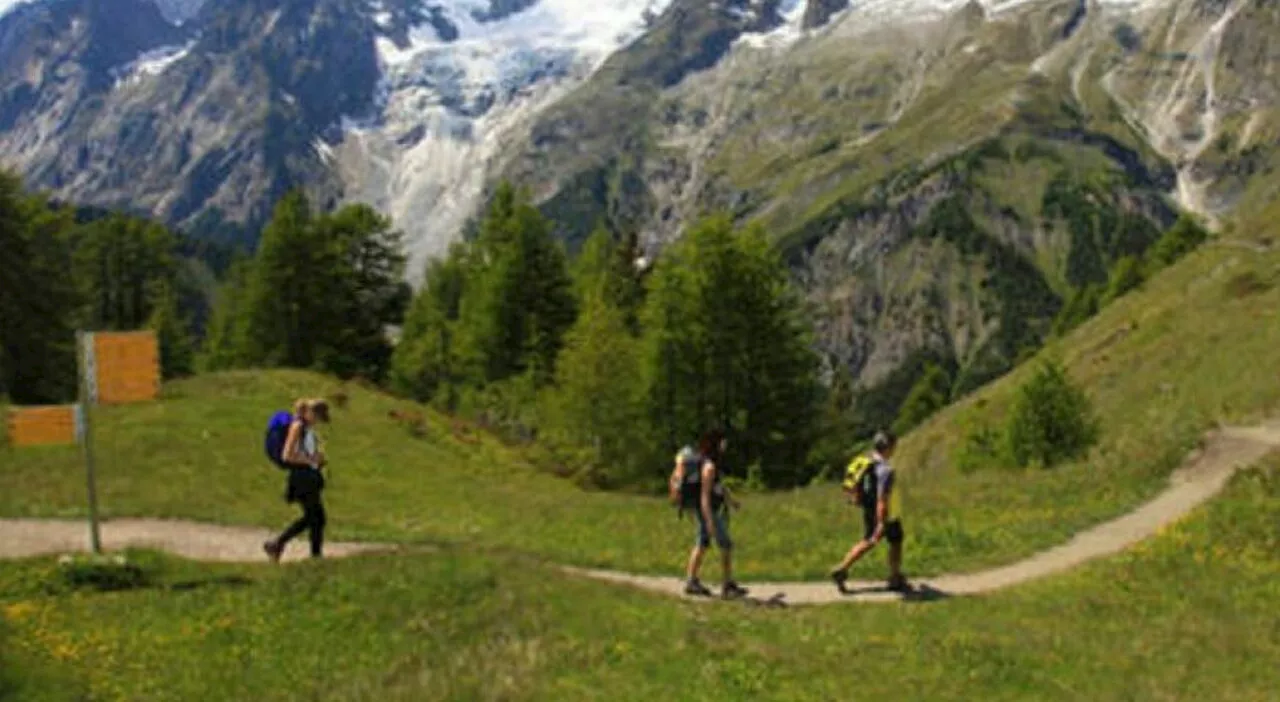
[
  {"x": 842, "y": 125},
  {"x": 454, "y": 86}
]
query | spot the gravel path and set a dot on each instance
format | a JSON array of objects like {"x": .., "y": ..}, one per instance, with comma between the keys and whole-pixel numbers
[{"x": 1205, "y": 474}]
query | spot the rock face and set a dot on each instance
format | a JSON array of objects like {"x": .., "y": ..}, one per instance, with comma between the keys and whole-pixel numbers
[
  {"x": 203, "y": 124},
  {"x": 818, "y": 12},
  {"x": 942, "y": 175}
]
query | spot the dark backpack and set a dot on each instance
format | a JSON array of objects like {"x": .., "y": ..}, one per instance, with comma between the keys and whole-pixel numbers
[
  {"x": 277, "y": 432},
  {"x": 691, "y": 486}
]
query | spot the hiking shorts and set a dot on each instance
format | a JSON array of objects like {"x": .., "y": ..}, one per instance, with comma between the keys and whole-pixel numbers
[
  {"x": 892, "y": 528},
  {"x": 721, "y": 518}
]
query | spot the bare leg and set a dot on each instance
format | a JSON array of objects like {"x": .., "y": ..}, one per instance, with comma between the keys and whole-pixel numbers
[
  {"x": 726, "y": 564},
  {"x": 858, "y": 551},
  {"x": 695, "y": 561}
]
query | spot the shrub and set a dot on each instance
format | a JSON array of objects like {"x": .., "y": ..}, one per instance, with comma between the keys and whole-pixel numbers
[
  {"x": 1179, "y": 240},
  {"x": 1125, "y": 276},
  {"x": 101, "y": 572},
  {"x": 927, "y": 396},
  {"x": 1052, "y": 420},
  {"x": 983, "y": 447}
]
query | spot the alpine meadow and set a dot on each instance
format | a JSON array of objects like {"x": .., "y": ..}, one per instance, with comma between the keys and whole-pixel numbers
[{"x": 452, "y": 295}]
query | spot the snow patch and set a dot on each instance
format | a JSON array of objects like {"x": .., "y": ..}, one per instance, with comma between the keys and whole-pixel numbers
[
  {"x": 791, "y": 29},
  {"x": 179, "y": 12},
  {"x": 7, "y": 6},
  {"x": 323, "y": 150},
  {"x": 151, "y": 63}
]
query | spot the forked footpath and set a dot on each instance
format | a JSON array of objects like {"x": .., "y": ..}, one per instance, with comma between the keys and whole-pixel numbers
[{"x": 1205, "y": 474}]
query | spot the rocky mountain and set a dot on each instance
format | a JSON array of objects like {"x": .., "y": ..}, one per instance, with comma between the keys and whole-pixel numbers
[{"x": 942, "y": 175}]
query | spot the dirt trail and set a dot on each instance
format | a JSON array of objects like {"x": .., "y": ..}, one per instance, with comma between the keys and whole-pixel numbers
[
  {"x": 1225, "y": 451},
  {"x": 20, "y": 538}
]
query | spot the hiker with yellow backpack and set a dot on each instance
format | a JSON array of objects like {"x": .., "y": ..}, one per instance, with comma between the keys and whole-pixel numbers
[{"x": 870, "y": 483}]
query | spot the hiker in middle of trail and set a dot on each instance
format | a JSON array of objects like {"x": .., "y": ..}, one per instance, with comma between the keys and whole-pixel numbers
[
  {"x": 302, "y": 457},
  {"x": 870, "y": 483},
  {"x": 695, "y": 484}
]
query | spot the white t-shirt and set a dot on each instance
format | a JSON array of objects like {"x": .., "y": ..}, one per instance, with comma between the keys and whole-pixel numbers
[{"x": 308, "y": 444}]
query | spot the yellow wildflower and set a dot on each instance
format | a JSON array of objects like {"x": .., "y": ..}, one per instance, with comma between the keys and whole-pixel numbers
[{"x": 19, "y": 610}]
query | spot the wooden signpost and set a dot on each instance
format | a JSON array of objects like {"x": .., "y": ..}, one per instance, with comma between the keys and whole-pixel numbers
[
  {"x": 46, "y": 425},
  {"x": 114, "y": 368}
]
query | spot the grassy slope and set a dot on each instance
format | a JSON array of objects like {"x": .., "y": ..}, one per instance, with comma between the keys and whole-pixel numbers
[
  {"x": 1189, "y": 616},
  {"x": 1195, "y": 353}
]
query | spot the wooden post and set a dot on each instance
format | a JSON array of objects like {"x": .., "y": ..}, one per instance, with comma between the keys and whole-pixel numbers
[{"x": 88, "y": 371}]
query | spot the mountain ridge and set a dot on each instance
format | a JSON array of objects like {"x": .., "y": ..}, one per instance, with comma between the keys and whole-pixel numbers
[{"x": 910, "y": 157}]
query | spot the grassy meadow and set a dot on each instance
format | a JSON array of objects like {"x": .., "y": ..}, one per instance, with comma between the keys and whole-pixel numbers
[
  {"x": 1197, "y": 345},
  {"x": 1188, "y": 615}
]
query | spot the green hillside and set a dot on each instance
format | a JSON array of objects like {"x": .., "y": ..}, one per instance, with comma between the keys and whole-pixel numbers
[{"x": 1195, "y": 346}]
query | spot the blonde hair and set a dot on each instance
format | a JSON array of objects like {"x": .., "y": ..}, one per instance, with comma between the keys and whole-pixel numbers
[{"x": 304, "y": 404}]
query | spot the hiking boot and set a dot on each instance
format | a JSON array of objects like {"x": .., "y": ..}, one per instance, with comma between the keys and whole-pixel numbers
[
  {"x": 695, "y": 587},
  {"x": 732, "y": 590},
  {"x": 274, "y": 550},
  {"x": 840, "y": 577}
]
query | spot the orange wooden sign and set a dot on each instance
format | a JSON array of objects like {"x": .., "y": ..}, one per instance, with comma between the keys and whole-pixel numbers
[
  {"x": 125, "y": 367},
  {"x": 36, "y": 426}
]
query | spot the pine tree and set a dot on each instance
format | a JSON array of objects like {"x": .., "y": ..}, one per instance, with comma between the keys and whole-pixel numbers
[
  {"x": 119, "y": 263},
  {"x": 597, "y": 401},
  {"x": 323, "y": 290},
  {"x": 727, "y": 344},
  {"x": 173, "y": 333},
  {"x": 39, "y": 302},
  {"x": 425, "y": 362},
  {"x": 609, "y": 265},
  {"x": 368, "y": 290},
  {"x": 286, "y": 318},
  {"x": 223, "y": 342},
  {"x": 519, "y": 299}
]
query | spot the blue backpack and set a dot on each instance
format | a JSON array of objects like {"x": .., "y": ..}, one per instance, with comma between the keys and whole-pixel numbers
[{"x": 277, "y": 432}]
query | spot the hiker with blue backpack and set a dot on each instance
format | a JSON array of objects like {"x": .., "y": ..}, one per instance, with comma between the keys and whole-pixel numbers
[
  {"x": 292, "y": 444},
  {"x": 695, "y": 485}
]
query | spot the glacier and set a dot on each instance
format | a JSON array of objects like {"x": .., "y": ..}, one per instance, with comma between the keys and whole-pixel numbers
[{"x": 447, "y": 105}]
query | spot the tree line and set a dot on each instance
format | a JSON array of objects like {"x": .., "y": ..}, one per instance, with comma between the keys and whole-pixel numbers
[
  {"x": 605, "y": 363},
  {"x": 65, "y": 270},
  {"x": 612, "y": 366}
]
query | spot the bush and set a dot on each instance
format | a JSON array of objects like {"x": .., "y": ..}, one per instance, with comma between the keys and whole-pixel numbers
[
  {"x": 1181, "y": 239},
  {"x": 984, "y": 447},
  {"x": 101, "y": 572},
  {"x": 927, "y": 396},
  {"x": 1052, "y": 420},
  {"x": 1126, "y": 275}
]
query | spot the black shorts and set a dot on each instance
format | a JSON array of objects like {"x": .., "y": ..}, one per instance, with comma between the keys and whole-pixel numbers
[
  {"x": 892, "y": 529},
  {"x": 303, "y": 484}
]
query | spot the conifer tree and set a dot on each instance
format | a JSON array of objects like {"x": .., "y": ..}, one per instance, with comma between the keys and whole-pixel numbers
[
  {"x": 173, "y": 333},
  {"x": 519, "y": 298},
  {"x": 727, "y": 344},
  {"x": 39, "y": 302},
  {"x": 223, "y": 342},
  {"x": 425, "y": 362}
]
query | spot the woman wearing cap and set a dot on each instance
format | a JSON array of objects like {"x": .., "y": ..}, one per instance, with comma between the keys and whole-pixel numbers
[{"x": 306, "y": 482}]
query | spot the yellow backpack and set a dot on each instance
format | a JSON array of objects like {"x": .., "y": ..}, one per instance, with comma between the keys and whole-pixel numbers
[{"x": 860, "y": 481}]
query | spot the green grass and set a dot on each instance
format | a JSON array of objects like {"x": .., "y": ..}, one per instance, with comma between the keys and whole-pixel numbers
[
  {"x": 1186, "y": 616},
  {"x": 1162, "y": 365}
]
